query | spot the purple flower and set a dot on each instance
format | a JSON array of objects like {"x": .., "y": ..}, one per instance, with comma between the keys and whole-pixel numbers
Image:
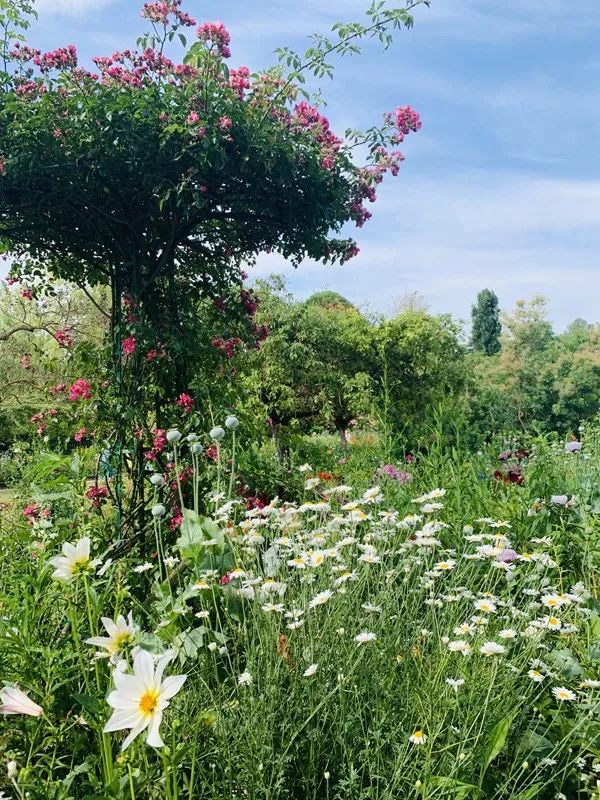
[
  {"x": 573, "y": 447},
  {"x": 507, "y": 555},
  {"x": 392, "y": 472}
]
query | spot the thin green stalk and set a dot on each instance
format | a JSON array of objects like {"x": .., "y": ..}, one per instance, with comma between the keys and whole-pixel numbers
[
  {"x": 167, "y": 774},
  {"x": 131, "y": 786},
  {"x": 232, "y": 475}
]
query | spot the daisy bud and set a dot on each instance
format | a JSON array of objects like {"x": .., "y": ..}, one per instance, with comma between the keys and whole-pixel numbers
[
  {"x": 217, "y": 434},
  {"x": 173, "y": 436},
  {"x": 158, "y": 510},
  {"x": 231, "y": 423}
]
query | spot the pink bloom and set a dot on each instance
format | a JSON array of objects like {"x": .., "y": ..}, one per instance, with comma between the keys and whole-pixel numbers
[
  {"x": 217, "y": 35},
  {"x": 14, "y": 701},
  {"x": 32, "y": 512},
  {"x": 63, "y": 337},
  {"x": 186, "y": 401},
  {"x": 225, "y": 123},
  {"x": 25, "y": 361},
  {"x": 97, "y": 494},
  {"x": 26, "y": 294},
  {"x": 61, "y": 58},
  {"x": 129, "y": 345},
  {"x": 507, "y": 555},
  {"x": 192, "y": 117},
  {"x": 239, "y": 79},
  {"x": 80, "y": 435},
  {"x": 80, "y": 390}
]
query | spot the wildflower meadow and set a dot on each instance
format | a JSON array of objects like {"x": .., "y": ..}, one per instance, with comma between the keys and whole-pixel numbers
[{"x": 254, "y": 546}]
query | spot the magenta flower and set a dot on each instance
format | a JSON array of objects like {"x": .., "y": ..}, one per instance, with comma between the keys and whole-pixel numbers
[{"x": 129, "y": 346}]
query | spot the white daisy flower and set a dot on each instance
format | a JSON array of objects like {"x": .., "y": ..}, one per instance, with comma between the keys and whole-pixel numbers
[
  {"x": 562, "y": 694},
  {"x": 492, "y": 649},
  {"x": 364, "y": 637},
  {"x": 245, "y": 679},
  {"x": 321, "y": 598}
]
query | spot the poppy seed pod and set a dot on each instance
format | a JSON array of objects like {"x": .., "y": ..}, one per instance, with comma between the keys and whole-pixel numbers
[
  {"x": 173, "y": 436},
  {"x": 217, "y": 434},
  {"x": 231, "y": 423}
]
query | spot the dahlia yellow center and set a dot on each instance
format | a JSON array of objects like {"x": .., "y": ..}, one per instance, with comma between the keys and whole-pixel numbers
[
  {"x": 120, "y": 641},
  {"x": 148, "y": 702}
]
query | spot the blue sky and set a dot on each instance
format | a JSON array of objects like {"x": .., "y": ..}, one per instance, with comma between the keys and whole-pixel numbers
[{"x": 501, "y": 188}]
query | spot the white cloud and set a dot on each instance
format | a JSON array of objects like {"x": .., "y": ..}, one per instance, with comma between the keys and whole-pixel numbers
[{"x": 449, "y": 238}]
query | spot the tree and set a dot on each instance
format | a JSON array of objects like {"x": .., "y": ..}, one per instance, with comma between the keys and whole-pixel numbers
[
  {"x": 161, "y": 180},
  {"x": 420, "y": 364},
  {"x": 485, "y": 334},
  {"x": 314, "y": 369}
]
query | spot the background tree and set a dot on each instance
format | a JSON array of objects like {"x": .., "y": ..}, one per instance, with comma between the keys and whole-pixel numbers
[
  {"x": 314, "y": 371},
  {"x": 485, "y": 333},
  {"x": 420, "y": 364}
]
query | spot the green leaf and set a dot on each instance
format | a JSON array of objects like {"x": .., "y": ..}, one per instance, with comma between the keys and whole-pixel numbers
[
  {"x": 497, "y": 741},
  {"x": 452, "y": 787},
  {"x": 88, "y": 702},
  {"x": 197, "y": 535},
  {"x": 530, "y": 793}
]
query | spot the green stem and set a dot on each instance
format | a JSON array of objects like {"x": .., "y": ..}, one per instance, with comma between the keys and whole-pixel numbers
[
  {"x": 167, "y": 774},
  {"x": 231, "y": 477},
  {"x": 131, "y": 786}
]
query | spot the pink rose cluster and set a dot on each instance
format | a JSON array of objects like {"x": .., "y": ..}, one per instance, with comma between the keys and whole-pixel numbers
[
  {"x": 63, "y": 337},
  {"x": 34, "y": 511},
  {"x": 307, "y": 117},
  {"x": 406, "y": 120},
  {"x": 129, "y": 346},
  {"x": 80, "y": 435},
  {"x": 61, "y": 58},
  {"x": 41, "y": 417},
  {"x": 217, "y": 35},
  {"x": 160, "y": 13},
  {"x": 97, "y": 495},
  {"x": 239, "y": 80},
  {"x": 186, "y": 401},
  {"x": 228, "y": 346},
  {"x": 159, "y": 442},
  {"x": 80, "y": 390}
]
